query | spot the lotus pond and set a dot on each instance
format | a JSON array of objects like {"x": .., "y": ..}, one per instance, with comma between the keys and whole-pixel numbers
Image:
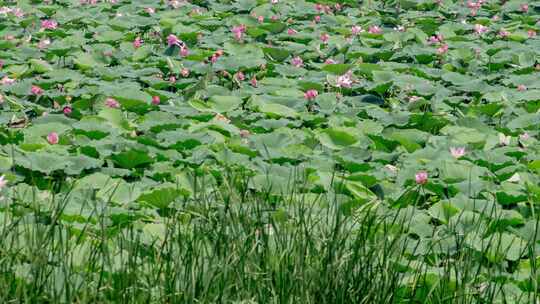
[{"x": 269, "y": 151}]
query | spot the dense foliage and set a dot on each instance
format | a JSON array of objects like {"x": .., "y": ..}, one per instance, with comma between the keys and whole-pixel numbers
[{"x": 276, "y": 151}]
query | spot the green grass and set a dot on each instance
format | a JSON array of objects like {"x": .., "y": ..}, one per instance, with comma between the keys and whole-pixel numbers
[{"x": 234, "y": 246}]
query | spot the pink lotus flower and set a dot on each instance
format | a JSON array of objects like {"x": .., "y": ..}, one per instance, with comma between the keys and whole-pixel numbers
[
  {"x": 156, "y": 100},
  {"x": 112, "y": 103},
  {"x": 240, "y": 76},
  {"x": 184, "y": 51},
  {"x": 291, "y": 32},
  {"x": 150, "y": 10},
  {"x": 67, "y": 110},
  {"x": 274, "y": 1},
  {"x": 435, "y": 39},
  {"x": 173, "y": 40},
  {"x": 274, "y": 18},
  {"x": 414, "y": 98},
  {"x": 176, "y": 3},
  {"x": 391, "y": 168},
  {"x": 44, "y": 43},
  {"x": 253, "y": 81},
  {"x": 35, "y": 90},
  {"x": 495, "y": 18},
  {"x": 3, "y": 181},
  {"x": 480, "y": 29},
  {"x": 345, "y": 81},
  {"x": 327, "y": 9},
  {"x": 137, "y": 42},
  {"x": 317, "y": 19},
  {"x": 531, "y": 33},
  {"x": 374, "y": 29},
  {"x": 297, "y": 62},
  {"x": 311, "y": 94},
  {"x": 244, "y": 133},
  {"x": 337, "y": 6},
  {"x": 443, "y": 49},
  {"x": 260, "y": 19},
  {"x": 457, "y": 152},
  {"x": 504, "y": 33},
  {"x": 238, "y": 31},
  {"x": 172, "y": 79},
  {"x": 524, "y": 137},
  {"x": 49, "y": 24},
  {"x": 222, "y": 118},
  {"x": 524, "y": 7},
  {"x": 17, "y": 12},
  {"x": 330, "y": 61},
  {"x": 355, "y": 29},
  {"x": 1, "y": 64},
  {"x": 52, "y": 138},
  {"x": 184, "y": 72},
  {"x": 325, "y": 37},
  {"x": 318, "y": 7},
  {"x": 7, "y": 81},
  {"x": 473, "y": 5},
  {"x": 4, "y": 10},
  {"x": 421, "y": 178},
  {"x": 521, "y": 88}
]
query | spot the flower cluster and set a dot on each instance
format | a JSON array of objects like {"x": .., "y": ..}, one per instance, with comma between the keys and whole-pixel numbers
[{"x": 239, "y": 31}]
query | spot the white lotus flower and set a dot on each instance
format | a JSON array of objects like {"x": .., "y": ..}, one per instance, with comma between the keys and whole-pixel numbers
[
  {"x": 504, "y": 140},
  {"x": 514, "y": 178}
]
